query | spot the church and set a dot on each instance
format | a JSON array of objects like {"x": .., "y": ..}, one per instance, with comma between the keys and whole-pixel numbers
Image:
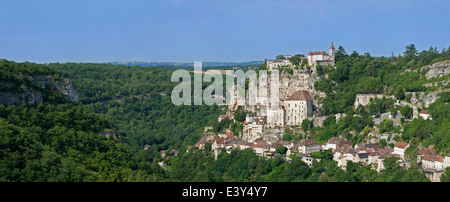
[{"x": 292, "y": 111}]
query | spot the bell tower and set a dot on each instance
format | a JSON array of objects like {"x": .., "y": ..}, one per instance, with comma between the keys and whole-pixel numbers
[{"x": 331, "y": 52}]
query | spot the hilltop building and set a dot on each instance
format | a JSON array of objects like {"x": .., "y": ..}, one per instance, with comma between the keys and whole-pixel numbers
[
  {"x": 321, "y": 57},
  {"x": 314, "y": 58}
]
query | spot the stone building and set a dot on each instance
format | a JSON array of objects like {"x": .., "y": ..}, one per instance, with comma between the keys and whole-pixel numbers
[
  {"x": 275, "y": 117},
  {"x": 273, "y": 64},
  {"x": 298, "y": 107},
  {"x": 400, "y": 148},
  {"x": 309, "y": 146},
  {"x": 323, "y": 58}
]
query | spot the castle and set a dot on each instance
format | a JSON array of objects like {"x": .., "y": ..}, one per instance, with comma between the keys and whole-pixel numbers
[{"x": 315, "y": 58}]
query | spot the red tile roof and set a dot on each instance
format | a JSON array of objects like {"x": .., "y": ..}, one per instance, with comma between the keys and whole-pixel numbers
[
  {"x": 334, "y": 140},
  {"x": 433, "y": 157},
  {"x": 401, "y": 144},
  {"x": 424, "y": 151},
  {"x": 318, "y": 53},
  {"x": 300, "y": 95},
  {"x": 309, "y": 142},
  {"x": 424, "y": 112}
]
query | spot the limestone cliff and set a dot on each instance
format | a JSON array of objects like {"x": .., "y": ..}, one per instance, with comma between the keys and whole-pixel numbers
[
  {"x": 32, "y": 91},
  {"x": 437, "y": 69}
]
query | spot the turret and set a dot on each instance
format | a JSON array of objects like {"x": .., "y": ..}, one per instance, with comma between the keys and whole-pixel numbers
[{"x": 331, "y": 53}]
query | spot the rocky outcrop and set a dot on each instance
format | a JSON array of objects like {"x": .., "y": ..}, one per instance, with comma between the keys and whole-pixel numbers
[
  {"x": 33, "y": 92},
  {"x": 68, "y": 89},
  {"x": 437, "y": 69},
  {"x": 27, "y": 95},
  {"x": 425, "y": 100}
]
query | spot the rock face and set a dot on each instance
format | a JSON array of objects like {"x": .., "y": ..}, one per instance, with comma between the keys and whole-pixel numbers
[
  {"x": 27, "y": 96},
  {"x": 68, "y": 89},
  {"x": 420, "y": 99},
  {"x": 289, "y": 83},
  {"x": 437, "y": 69},
  {"x": 30, "y": 94}
]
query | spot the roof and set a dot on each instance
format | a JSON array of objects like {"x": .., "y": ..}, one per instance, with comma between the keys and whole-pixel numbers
[
  {"x": 334, "y": 140},
  {"x": 424, "y": 151},
  {"x": 331, "y": 47},
  {"x": 424, "y": 112},
  {"x": 344, "y": 143},
  {"x": 401, "y": 145},
  {"x": 432, "y": 158},
  {"x": 309, "y": 142},
  {"x": 363, "y": 155},
  {"x": 300, "y": 95},
  {"x": 219, "y": 141},
  {"x": 318, "y": 53},
  {"x": 279, "y": 61}
]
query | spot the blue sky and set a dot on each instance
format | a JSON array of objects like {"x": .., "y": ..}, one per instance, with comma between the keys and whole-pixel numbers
[{"x": 214, "y": 30}]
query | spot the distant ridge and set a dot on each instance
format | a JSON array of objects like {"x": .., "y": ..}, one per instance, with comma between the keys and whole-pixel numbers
[{"x": 186, "y": 64}]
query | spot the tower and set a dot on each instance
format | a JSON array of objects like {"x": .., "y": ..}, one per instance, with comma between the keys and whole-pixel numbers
[{"x": 331, "y": 52}]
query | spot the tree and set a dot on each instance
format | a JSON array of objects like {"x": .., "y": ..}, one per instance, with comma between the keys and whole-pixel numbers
[
  {"x": 445, "y": 177},
  {"x": 382, "y": 142},
  {"x": 360, "y": 110},
  {"x": 340, "y": 53},
  {"x": 400, "y": 94},
  {"x": 411, "y": 153},
  {"x": 239, "y": 115},
  {"x": 370, "y": 85},
  {"x": 281, "y": 150},
  {"x": 280, "y": 57},
  {"x": 406, "y": 111},
  {"x": 354, "y": 54},
  {"x": 386, "y": 126},
  {"x": 306, "y": 124},
  {"x": 320, "y": 70},
  {"x": 410, "y": 52},
  {"x": 295, "y": 60}
]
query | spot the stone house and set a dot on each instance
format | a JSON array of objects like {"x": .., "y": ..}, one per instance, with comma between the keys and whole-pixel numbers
[
  {"x": 309, "y": 146},
  {"x": 425, "y": 114},
  {"x": 422, "y": 152},
  {"x": 332, "y": 143},
  {"x": 399, "y": 148},
  {"x": 433, "y": 161}
]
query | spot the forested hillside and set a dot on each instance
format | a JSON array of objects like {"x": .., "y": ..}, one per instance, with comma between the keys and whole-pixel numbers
[
  {"x": 58, "y": 141},
  {"x": 136, "y": 101},
  {"x": 61, "y": 141},
  {"x": 362, "y": 74}
]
